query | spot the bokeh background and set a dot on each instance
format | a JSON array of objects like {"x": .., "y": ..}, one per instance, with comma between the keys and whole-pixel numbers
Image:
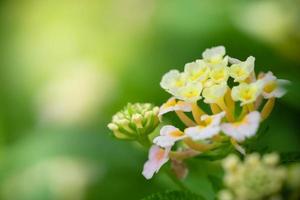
[{"x": 66, "y": 66}]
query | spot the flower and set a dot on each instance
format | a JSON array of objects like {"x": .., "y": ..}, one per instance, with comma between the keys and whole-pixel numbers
[
  {"x": 168, "y": 136},
  {"x": 197, "y": 71},
  {"x": 245, "y": 128},
  {"x": 156, "y": 159},
  {"x": 173, "y": 80},
  {"x": 240, "y": 71},
  {"x": 189, "y": 93},
  {"x": 214, "y": 93},
  {"x": 210, "y": 127},
  {"x": 134, "y": 121},
  {"x": 214, "y": 55},
  {"x": 173, "y": 105},
  {"x": 219, "y": 74},
  {"x": 247, "y": 93},
  {"x": 273, "y": 87},
  {"x": 253, "y": 178}
]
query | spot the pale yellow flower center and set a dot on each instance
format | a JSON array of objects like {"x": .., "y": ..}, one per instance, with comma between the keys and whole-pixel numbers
[{"x": 270, "y": 87}]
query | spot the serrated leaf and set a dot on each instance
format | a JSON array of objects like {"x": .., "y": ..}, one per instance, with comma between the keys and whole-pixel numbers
[{"x": 174, "y": 195}]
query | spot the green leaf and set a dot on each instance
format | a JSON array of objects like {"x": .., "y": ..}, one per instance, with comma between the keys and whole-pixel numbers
[
  {"x": 290, "y": 157},
  {"x": 174, "y": 195}
]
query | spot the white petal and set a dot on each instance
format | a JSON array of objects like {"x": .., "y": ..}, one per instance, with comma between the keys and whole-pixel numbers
[
  {"x": 164, "y": 141},
  {"x": 198, "y": 133},
  {"x": 214, "y": 52},
  {"x": 230, "y": 130},
  {"x": 165, "y": 110},
  {"x": 183, "y": 106}
]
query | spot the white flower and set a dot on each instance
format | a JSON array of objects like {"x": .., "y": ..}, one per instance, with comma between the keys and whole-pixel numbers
[
  {"x": 168, "y": 136},
  {"x": 214, "y": 55},
  {"x": 189, "y": 93},
  {"x": 246, "y": 128},
  {"x": 173, "y": 105},
  {"x": 197, "y": 71},
  {"x": 210, "y": 127},
  {"x": 156, "y": 159},
  {"x": 173, "y": 80},
  {"x": 247, "y": 93},
  {"x": 273, "y": 87},
  {"x": 219, "y": 73},
  {"x": 214, "y": 93},
  {"x": 240, "y": 71}
]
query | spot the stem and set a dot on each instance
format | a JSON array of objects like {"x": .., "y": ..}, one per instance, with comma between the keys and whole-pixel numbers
[
  {"x": 243, "y": 112},
  {"x": 229, "y": 101},
  {"x": 197, "y": 146},
  {"x": 144, "y": 141},
  {"x": 181, "y": 155},
  {"x": 267, "y": 109},
  {"x": 250, "y": 107},
  {"x": 229, "y": 115},
  {"x": 215, "y": 108},
  {"x": 185, "y": 119},
  {"x": 197, "y": 113}
]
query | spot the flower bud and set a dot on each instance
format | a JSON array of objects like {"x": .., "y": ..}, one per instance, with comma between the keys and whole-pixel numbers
[{"x": 134, "y": 121}]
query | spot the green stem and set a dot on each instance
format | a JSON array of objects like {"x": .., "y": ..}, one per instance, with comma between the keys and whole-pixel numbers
[
  {"x": 144, "y": 141},
  {"x": 176, "y": 180}
]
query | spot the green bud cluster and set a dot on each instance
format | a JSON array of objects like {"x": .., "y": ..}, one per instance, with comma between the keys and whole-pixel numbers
[
  {"x": 256, "y": 178},
  {"x": 135, "y": 121}
]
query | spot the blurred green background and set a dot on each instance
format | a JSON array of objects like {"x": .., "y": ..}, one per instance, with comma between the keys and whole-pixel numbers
[{"x": 66, "y": 66}]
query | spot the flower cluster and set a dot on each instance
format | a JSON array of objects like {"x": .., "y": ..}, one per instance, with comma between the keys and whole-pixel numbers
[
  {"x": 257, "y": 178},
  {"x": 135, "y": 121},
  {"x": 234, "y": 94}
]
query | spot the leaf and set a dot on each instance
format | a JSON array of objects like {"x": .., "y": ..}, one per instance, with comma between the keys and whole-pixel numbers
[
  {"x": 256, "y": 144},
  {"x": 174, "y": 195},
  {"x": 216, "y": 182},
  {"x": 290, "y": 157}
]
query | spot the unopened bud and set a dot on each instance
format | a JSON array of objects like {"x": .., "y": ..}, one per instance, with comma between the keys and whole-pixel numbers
[
  {"x": 134, "y": 121},
  {"x": 112, "y": 127}
]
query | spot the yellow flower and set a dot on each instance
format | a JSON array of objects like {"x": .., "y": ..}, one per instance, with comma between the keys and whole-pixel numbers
[
  {"x": 240, "y": 71},
  {"x": 273, "y": 87},
  {"x": 214, "y": 93},
  {"x": 247, "y": 93},
  {"x": 214, "y": 55},
  {"x": 190, "y": 92},
  {"x": 197, "y": 71},
  {"x": 173, "y": 80},
  {"x": 219, "y": 73}
]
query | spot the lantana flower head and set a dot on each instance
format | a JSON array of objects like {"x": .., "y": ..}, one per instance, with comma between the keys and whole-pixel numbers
[
  {"x": 134, "y": 121},
  {"x": 218, "y": 99}
]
